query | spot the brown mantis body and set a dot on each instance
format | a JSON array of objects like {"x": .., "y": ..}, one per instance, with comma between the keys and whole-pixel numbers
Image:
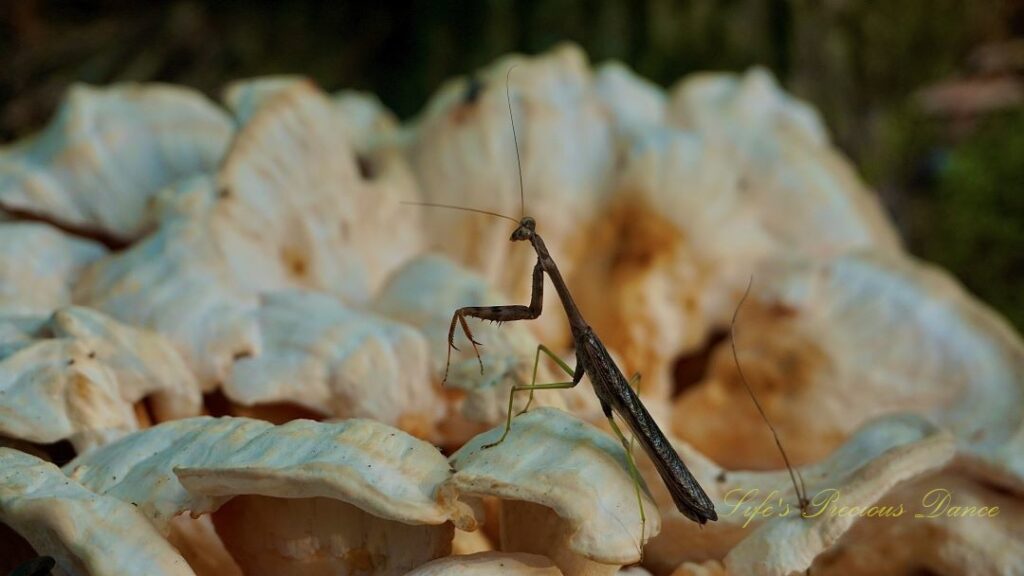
[
  {"x": 592, "y": 358},
  {"x": 615, "y": 393}
]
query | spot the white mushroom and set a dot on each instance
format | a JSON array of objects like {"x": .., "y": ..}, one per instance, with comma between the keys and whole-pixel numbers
[
  {"x": 761, "y": 529},
  {"x": 291, "y": 186},
  {"x": 950, "y": 525},
  {"x": 289, "y": 499},
  {"x": 810, "y": 346},
  {"x": 145, "y": 363},
  {"x": 190, "y": 281},
  {"x": 425, "y": 293},
  {"x": 463, "y": 154},
  {"x": 79, "y": 379},
  {"x": 789, "y": 171},
  {"x": 87, "y": 534},
  {"x": 686, "y": 227},
  {"x": 38, "y": 267},
  {"x": 338, "y": 362},
  {"x": 566, "y": 492},
  {"x": 635, "y": 102},
  {"x": 487, "y": 563},
  {"x": 108, "y": 151}
]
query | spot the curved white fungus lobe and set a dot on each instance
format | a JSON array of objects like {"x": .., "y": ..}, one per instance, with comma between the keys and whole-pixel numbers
[
  {"x": 425, "y": 293},
  {"x": 463, "y": 151},
  {"x": 566, "y": 491},
  {"x": 338, "y": 362},
  {"x": 87, "y": 534},
  {"x": 761, "y": 528},
  {"x": 789, "y": 171},
  {"x": 342, "y": 495},
  {"x": 487, "y": 563},
  {"x": 39, "y": 265},
  {"x": 78, "y": 378},
  {"x": 291, "y": 185},
  {"x": 190, "y": 281},
  {"x": 108, "y": 151},
  {"x": 810, "y": 346}
]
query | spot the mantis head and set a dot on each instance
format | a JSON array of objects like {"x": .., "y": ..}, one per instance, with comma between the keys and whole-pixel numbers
[{"x": 525, "y": 230}]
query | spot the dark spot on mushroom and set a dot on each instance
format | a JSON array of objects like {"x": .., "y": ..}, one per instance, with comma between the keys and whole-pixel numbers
[
  {"x": 71, "y": 362},
  {"x": 92, "y": 354},
  {"x": 224, "y": 192},
  {"x": 721, "y": 477},
  {"x": 367, "y": 169}
]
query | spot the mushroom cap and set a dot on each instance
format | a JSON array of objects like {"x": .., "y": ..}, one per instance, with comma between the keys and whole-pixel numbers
[
  {"x": 197, "y": 464},
  {"x": 810, "y": 346},
  {"x": 760, "y": 527},
  {"x": 291, "y": 185},
  {"x": 635, "y": 102},
  {"x": 337, "y": 361},
  {"x": 86, "y": 533},
  {"x": 779, "y": 146},
  {"x": 425, "y": 293},
  {"x": 486, "y": 563},
  {"x": 38, "y": 267},
  {"x": 463, "y": 145},
  {"x": 557, "y": 461},
  {"x": 108, "y": 151},
  {"x": 78, "y": 377},
  {"x": 950, "y": 524},
  {"x": 184, "y": 281}
]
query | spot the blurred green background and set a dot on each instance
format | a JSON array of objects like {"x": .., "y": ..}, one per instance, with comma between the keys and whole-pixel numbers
[{"x": 925, "y": 95}]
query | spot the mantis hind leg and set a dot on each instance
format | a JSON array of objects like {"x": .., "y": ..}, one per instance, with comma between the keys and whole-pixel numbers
[
  {"x": 577, "y": 375},
  {"x": 634, "y": 471}
]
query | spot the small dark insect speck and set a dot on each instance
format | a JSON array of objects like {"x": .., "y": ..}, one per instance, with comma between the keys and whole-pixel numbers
[
  {"x": 720, "y": 477},
  {"x": 71, "y": 362}
]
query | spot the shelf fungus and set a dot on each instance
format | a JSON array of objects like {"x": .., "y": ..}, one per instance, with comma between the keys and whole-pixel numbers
[
  {"x": 350, "y": 497},
  {"x": 107, "y": 152},
  {"x": 424, "y": 293},
  {"x": 809, "y": 344},
  {"x": 39, "y": 265},
  {"x": 338, "y": 362},
  {"x": 291, "y": 185},
  {"x": 86, "y": 534},
  {"x": 761, "y": 529},
  {"x": 565, "y": 490},
  {"x": 807, "y": 194},
  {"x": 80, "y": 375},
  {"x": 463, "y": 154},
  {"x": 488, "y": 563},
  {"x": 690, "y": 219}
]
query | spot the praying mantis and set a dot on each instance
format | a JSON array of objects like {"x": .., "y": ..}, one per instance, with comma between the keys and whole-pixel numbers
[{"x": 614, "y": 392}]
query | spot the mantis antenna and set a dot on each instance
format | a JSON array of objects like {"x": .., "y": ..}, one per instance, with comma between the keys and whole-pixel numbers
[{"x": 515, "y": 140}]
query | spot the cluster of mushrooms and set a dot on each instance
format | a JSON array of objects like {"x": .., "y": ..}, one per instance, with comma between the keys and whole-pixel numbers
[{"x": 223, "y": 333}]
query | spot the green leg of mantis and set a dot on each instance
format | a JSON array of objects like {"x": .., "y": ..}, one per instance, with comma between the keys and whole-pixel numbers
[
  {"x": 532, "y": 387},
  {"x": 633, "y": 470}
]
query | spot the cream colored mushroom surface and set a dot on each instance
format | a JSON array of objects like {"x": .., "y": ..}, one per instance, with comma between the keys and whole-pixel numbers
[
  {"x": 788, "y": 168},
  {"x": 566, "y": 492},
  {"x": 338, "y": 362},
  {"x": 79, "y": 377},
  {"x": 425, "y": 294},
  {"x": 828, "y": 345},
  {"x": 86, "y": 533},
  {"x": 38, "y": 267},
  {"x": 950, "y": 525},
  {"x": 190, "y": 281},
  {"x": 108, "y": 151},
  {"x": 463, "y": 154},
  {"x": 302, "y": 498},
  {"x": 291, "y": 185},
  {"x": 635, "y": 102},
  {"x": 761, "y": 529},
  {"x": 487, "y": 563}
]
